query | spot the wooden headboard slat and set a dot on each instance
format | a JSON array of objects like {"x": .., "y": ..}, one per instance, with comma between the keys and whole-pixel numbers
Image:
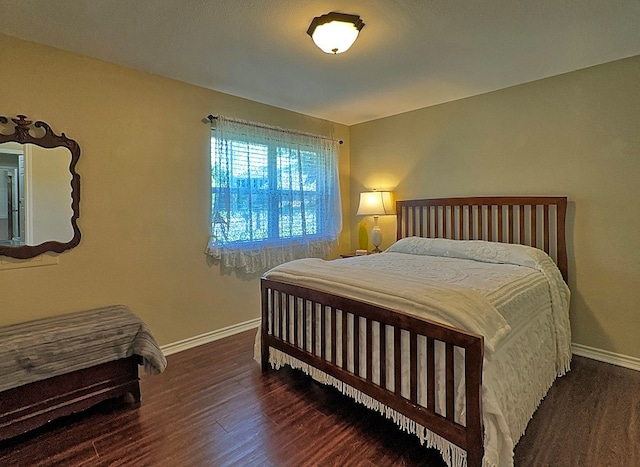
[
  {"x": 532, "y": 228},
  {"x": 546, "y": 231},
  {"x": 521, "y": 225}
]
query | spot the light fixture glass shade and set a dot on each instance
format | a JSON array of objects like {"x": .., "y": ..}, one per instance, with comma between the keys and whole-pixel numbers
[
  {"x": 334, "y": 32},
  {"x": 376, "y": 203}
]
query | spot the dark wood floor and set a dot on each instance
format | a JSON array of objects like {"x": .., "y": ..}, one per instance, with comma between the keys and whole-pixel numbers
[{"x": 214, "y": 407}]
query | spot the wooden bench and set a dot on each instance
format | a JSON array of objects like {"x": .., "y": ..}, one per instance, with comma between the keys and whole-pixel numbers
[{"x": 57, "y": 366}]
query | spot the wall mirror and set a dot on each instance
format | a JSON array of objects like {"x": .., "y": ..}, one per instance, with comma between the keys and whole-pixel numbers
[{"x": 39, "y": 189}]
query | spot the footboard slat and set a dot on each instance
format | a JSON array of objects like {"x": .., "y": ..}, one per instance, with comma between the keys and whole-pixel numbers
[
  {"x": 343, "y": 336},
  {"x": 304, "y": 324},
  {"x": 412, "y": 341},
  {"x": 431, "y": 375},
  {"x": 450, "y": 391},
  {"x": 334, "y": 335},
  {"x": 284, "y": 315},
  {"x": 296, "y": 327},
  {"x": 383, "y": 355},
  {"x": 413, "y": 367},
  {"x": 323, "y": 332},
  {"x": 369, "y": 350},
  {"x": 397, "y": 362},
  {"x": 314, "y": 325},
  {"x": 356, "y": 344}
]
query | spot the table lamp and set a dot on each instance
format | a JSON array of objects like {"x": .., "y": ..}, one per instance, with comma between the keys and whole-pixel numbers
[{"x": 376, "y": 203}]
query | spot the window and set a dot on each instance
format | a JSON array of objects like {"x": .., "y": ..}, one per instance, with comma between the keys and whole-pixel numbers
[{"x": 274, "y": 195}]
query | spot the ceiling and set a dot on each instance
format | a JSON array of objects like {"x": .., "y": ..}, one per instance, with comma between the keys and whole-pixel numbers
[{"x": 410, "y": 54}]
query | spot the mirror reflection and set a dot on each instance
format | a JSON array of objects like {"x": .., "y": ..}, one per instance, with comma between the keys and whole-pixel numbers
[{"x": 35, "y": 194}]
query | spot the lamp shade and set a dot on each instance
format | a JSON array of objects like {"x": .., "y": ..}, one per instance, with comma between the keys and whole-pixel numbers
[
  {"x": 376, "y": 203},
  {"x": 335, "y": 32}
]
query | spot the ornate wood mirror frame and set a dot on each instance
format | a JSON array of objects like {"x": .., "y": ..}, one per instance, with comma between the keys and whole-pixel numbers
[{"x": 24, "y": 133}]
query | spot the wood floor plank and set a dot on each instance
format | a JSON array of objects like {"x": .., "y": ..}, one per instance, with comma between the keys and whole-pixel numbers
[{"x": 214, "y": 407}]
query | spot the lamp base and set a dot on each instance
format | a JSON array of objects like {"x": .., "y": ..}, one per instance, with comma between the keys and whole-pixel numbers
[{"x": 376, "y": 236}]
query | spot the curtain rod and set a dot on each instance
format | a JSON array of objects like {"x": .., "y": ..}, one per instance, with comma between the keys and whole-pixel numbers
[{"x": 211, "y": 118}]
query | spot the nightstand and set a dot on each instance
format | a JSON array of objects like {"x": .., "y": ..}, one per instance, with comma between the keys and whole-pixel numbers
[{"x": 350, "y": 255}]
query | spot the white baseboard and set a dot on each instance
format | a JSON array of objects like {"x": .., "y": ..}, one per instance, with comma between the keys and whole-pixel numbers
[
  {"x": 205, "y": 338},
  {"x": 606, "y": 356}
]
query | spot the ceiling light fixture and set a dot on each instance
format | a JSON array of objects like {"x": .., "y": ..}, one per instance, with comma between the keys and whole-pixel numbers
[{"x": 335, "y": 32}]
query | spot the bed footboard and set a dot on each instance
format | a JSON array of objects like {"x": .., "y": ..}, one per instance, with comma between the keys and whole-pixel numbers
[{"x": 390, "y": 356}]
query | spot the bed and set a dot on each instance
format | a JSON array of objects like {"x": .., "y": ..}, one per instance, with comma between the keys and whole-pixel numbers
[{"x": 466, "y": 383}]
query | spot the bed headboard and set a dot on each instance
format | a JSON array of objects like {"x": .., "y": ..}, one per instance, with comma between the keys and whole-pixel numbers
[{"x": 537, "y": 221}]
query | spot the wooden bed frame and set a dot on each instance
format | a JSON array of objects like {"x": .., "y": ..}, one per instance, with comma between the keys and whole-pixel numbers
[
  {"x": 32, "y": 405},
  {"x": 534, "y": 221}
]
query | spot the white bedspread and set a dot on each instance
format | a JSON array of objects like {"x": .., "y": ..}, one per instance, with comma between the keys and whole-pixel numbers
[
  {"x": 513, "y": 295},
  {"x": 369, "y": 279}
]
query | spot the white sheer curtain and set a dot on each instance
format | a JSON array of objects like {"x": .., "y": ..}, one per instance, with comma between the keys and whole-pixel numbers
[{"x": 275, "y": 195}]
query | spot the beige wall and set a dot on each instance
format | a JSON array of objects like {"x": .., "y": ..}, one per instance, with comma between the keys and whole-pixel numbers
[
  {"x": 145, "y": 183},
  {"x": 576, "y": 134},
  {"x": 144, "y": 192}
]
